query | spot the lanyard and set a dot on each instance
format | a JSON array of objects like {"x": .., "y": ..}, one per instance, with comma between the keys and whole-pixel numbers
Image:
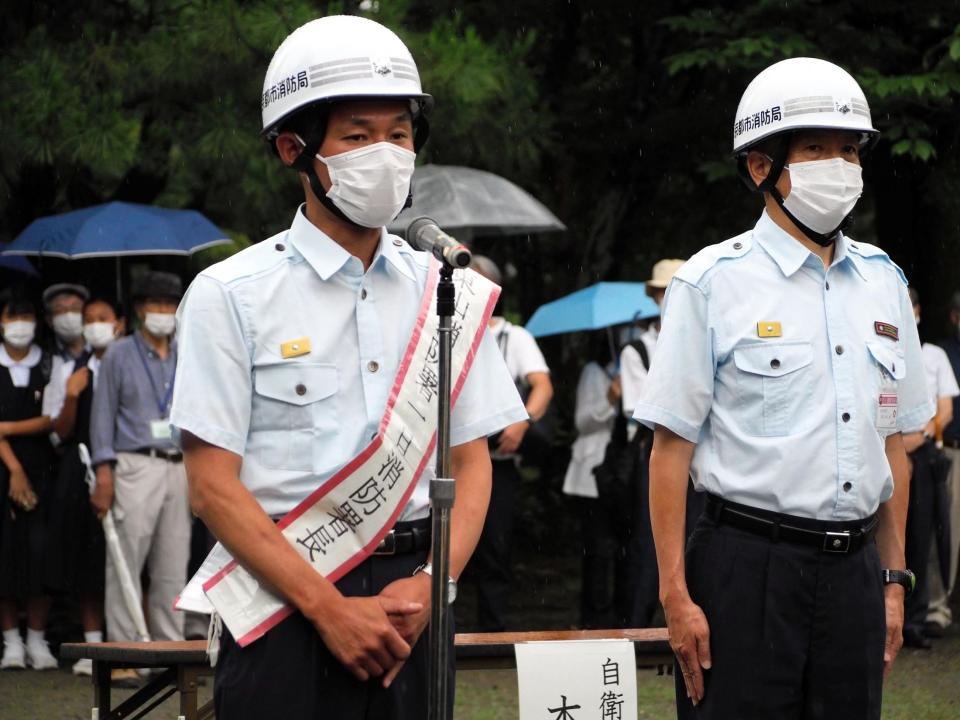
[{"x": 162, "y": 402}]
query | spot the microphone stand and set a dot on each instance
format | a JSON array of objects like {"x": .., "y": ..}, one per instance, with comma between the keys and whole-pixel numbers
[{"x": 442, "y": 493}]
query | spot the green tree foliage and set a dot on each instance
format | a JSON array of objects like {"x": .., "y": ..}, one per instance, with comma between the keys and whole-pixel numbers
[{"x": 157, "y": 102}]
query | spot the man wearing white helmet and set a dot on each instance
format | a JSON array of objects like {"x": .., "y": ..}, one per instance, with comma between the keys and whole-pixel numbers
[
  {"x": 786, "y": 369},
  {"x": 288, "y": 353}
]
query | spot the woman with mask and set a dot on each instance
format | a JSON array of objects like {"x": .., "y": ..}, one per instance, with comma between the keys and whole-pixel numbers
[
  {"x": 25, "y": 487},
  {"x": 77, "y": 565}
]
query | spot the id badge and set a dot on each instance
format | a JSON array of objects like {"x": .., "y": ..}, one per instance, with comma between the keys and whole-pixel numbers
[
  {"x": 887, "y": 409},
  {"x": 160, "y": 429}
]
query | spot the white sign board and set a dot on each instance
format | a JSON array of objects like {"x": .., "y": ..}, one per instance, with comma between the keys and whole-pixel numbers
[{"x": 577, "y": 680}]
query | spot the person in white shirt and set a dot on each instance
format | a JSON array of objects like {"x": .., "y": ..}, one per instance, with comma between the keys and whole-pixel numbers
[
  {"x": 491, "y": 565},
  {"x": 920, "y": 445},
  {"x": 633, "y": 370},
  {"x": 594, "y": 416}
]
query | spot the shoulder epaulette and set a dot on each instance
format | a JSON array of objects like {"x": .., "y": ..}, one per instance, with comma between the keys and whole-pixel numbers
[
  {"x": 696, "y": 267},
  {"x": 875, "y": 254}
]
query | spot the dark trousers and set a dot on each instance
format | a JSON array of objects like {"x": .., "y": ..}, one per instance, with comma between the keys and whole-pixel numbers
[
  {"x": 795, "y": 633},
  {"x": 620, "y": 583},
  {"x": 919, "y": 535},
  {"x": 290, "y": 674},
  {"x": 490, "y": 564}
]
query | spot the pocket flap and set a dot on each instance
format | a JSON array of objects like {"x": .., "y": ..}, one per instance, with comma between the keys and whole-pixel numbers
[
  {"x": 888, "y": 356},
  {"x": 297, "y": 383},
  {"x": 773, "y": 359}
]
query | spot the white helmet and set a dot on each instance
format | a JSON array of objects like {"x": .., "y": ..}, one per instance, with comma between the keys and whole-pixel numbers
[
  {"x": 800, "y": 93},
  {"x": 333, "y": 58}
]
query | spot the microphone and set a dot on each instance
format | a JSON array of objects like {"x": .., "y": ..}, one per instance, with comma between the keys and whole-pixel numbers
[{"x": 424, "y": 234}]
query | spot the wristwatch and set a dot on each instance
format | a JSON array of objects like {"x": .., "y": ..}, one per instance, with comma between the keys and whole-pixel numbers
[
  {"x": 902, "y": 577},
  {"x": 451, "y": 583}
]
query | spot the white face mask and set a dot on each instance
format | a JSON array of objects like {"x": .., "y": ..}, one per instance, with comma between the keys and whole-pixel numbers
[
  {"x": 370, "y": 185},
  {"x": 160, "y": 324},
  {"x": 99, "y": 334},
  {"x": 19, "y": 333},
  {"x": 68, "y": 326},
  {"x": 823, "y": 192}
]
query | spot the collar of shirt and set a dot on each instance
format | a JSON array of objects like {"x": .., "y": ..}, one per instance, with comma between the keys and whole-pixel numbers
[
  {"x": 151, "y": 353},
  {"x": 30, "y": 360},
  {"x": 789, "y": 254},
  {"x": 327, "y": 257}
]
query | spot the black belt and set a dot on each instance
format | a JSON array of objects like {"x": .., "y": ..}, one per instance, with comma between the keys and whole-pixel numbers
[
  {"x": 829, "y": 537},
  {"x": 405, "y": 538},
  {"x": 169, "y": 455}
]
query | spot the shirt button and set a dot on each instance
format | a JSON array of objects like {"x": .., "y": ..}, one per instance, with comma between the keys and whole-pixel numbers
[
  {"x": 737, "y": 245},
  {"x": 363, "y": 294},
  {"x": 301, "y": 389},
  {"x": 373, "y": 366},
  {"x": 847, "y": 486},
  {"x": 828, "y": 285},
  {"x": 774, "y": 363},
  {"x": 398, "y": 243},
  {"x": 845, "y": 417},
  {"x": 839, "y": 349},
  {"x": 280, "y": 247}
]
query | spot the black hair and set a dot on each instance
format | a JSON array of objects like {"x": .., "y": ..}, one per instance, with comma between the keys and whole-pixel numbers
[
  {"x": 116, "y": 307},
  {"x": 17, "y": 301}
]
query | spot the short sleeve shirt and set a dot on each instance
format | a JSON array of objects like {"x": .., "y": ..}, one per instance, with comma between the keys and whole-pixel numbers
[
  {"x": 788, "y": 376},
  {"x": 296, "y": 421},
  {"x": 941, "y": 382},
  {"x": 519, "y": 348},
  {"x": 633, "y": 373}
]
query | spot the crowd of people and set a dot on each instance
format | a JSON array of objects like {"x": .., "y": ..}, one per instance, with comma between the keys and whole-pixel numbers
[{"x": 83, "y": 432}]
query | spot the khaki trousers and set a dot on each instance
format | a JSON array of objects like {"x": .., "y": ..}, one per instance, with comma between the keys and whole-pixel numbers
[
  {"x": 939, "y": 611},
  {"x": 152, "y": 515}
]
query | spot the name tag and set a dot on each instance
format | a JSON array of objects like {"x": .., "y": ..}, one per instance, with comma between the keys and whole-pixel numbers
[
  {"x": 160, "y": 429},
  {"x": 887, "y": 411}
]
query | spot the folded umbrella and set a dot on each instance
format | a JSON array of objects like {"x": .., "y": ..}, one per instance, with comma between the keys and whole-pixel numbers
[{"x": 131, "y": 596}]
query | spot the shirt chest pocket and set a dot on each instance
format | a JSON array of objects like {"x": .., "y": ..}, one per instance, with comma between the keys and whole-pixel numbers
[
  {"x": 888, "y": 367},
  {"x": 293, "y": 420},
  {"x": 775, "y": 387}
]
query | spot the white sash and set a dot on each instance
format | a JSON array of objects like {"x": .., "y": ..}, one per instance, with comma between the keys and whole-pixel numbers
[{"x": 340, "y": 524}]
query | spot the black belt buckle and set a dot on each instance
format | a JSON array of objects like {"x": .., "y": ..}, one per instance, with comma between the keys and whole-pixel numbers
[
  {"x": 387, "y": 546},
  {"x": 836, "y": 542}
]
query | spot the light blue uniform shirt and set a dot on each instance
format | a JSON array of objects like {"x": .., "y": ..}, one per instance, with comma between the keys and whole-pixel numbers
[
  {"x": 793, "y": 423},
  {"x": 296, "y": 421}
]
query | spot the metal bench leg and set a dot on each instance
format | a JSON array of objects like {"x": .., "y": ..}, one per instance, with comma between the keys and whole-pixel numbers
[
  {"x": 187, "y": 685},
  {"x": 101, "y": 689}
]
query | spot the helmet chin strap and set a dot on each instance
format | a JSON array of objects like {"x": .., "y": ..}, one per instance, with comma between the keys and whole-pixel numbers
[{"x": 304, "y": 163}]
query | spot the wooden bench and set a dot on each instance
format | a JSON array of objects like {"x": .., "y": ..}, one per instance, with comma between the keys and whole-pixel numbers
[{"x": 183, "y": 664}]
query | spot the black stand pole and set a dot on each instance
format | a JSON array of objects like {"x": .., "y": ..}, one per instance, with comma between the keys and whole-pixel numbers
[{"x": 442, "y": 492}]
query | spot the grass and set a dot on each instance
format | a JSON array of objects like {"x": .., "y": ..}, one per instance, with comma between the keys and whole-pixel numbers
[{"x": 923, "y": 686}]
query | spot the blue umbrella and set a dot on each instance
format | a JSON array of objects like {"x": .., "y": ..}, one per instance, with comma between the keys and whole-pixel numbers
[
  {"x": 595, "y": 307},
  {"x": 18, "y": 264},
  {"x": 117, "y": 228}
]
